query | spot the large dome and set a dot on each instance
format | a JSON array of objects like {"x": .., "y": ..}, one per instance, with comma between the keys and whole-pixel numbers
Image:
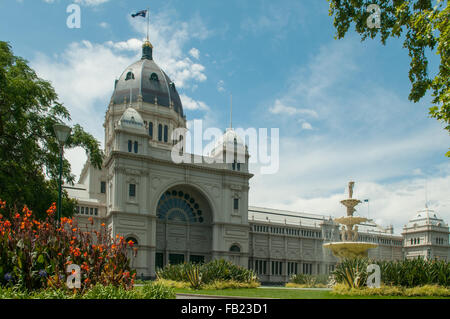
[
  {"x": 426, "y": 217},
  {"x": 146, "y": 79}
]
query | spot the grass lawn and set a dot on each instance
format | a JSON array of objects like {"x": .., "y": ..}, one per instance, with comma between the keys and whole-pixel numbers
[{"x": 288, "y": 294}]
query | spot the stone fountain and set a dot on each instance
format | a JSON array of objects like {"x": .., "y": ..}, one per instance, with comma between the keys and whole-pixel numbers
[{"x": 350, "y": 247}]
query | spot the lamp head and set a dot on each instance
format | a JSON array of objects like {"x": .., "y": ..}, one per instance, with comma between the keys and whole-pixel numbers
[{"x": 62, "y": 132}]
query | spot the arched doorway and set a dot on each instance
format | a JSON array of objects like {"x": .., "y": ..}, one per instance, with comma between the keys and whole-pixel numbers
[{"x": 183, "y": 228}]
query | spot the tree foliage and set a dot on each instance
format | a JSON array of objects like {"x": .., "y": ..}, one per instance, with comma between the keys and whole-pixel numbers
[
  {"x": 29, "y": 151},
  {"x": 425, "y": 26}
]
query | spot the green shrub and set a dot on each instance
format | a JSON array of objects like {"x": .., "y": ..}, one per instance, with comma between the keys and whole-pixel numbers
[
  {"x": 148, "y": 291},
  {"x": 194, "y": 276},
  {"x": 305, "y": 281},
  {"x": 230, "y": 284},
  {"x": 427, "y": 290},
  {"x": 404, "y": 273},
  {"x": 157, "y": 290},
  {"x": 352, "y": 272},
  {"x": 216, "y": 270},
  {"x": 110, "y": 292}
]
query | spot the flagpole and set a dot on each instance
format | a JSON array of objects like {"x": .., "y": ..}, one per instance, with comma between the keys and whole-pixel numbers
[{"x": 148, "y": 22}]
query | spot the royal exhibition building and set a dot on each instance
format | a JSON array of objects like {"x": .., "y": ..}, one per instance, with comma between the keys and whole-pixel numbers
[{"x": 181, "y": 212}]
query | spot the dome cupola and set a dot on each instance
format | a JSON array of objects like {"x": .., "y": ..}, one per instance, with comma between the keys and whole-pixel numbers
[
  {"x": 145, "y": 81},
  {"x": 131, "y": 119}
]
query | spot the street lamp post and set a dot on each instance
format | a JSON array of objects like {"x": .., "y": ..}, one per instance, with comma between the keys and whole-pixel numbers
[{"x": 62, "y": 133}]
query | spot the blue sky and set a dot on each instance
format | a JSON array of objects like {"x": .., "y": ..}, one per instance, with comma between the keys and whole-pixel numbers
[{"x": 341, "y": 105}]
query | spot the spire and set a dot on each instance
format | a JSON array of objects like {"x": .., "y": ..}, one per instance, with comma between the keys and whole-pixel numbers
[
  {"x": 231, "y": 111},
  {"x": 147, "y": 47}
]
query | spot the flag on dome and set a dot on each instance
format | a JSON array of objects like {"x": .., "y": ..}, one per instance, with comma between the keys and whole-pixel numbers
[{"x": 141, "y": 13}]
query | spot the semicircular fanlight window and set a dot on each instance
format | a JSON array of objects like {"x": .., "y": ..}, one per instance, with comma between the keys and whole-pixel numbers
[{"x": 179, "y": 206}]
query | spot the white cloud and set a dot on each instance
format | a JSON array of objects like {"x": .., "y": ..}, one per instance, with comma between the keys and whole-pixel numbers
[
  {"x": 283, "y": 109},
  {"x": 195, "y": 53},
  {"x": 104, "y": 25},
  {"x": 306, "y": 126},
  {"x": 132, "y": 44},
  {"x": 191, "y": 104}
]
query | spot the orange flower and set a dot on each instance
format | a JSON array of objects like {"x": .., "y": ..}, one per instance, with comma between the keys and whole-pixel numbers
[
  {"x": 131, "y": 243},
  {"x": 103, "y": 224}
]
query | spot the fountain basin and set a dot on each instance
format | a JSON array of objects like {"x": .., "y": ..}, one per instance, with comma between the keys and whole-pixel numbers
[
  {"x": 350, "y": 202},
  {"x": 348, "y": 249},
  {"x": 351, "y": 220}
]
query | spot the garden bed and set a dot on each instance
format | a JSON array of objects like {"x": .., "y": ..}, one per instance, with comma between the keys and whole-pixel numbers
[
  {"x": 420, "y": 291},
  {"x": 147, "y": 291}
]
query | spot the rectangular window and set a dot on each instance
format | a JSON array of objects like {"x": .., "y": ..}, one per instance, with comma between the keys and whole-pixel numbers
[
  {"x": 82, "y": 210},
  {"x": 160, "y": 132},
  {"x": 150, "y": 130},
  {"x": 91, "y": 211},
  {"x": 130, "y": 145},
  {"x": 103, "y": 187},
  {"x": 96, "y": 211},
  {"x": 132, "y": 190},
  {"x": 307, "y": 269},
  {"x": 261, "y": 267},
  {"x": 175, "y": 259},
  {"x": 159, "y": 260},
  {"x": 135, "y": 147},
  {"x": 195, "y": 259},
  {"x": 236, "y": 203},
  {"x": 166, "y": 133}
]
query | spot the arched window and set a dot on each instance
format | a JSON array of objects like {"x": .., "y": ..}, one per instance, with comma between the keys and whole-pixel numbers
[
  {"x": 130, "y": 76},
  {"x": 129, "y": 145},
  {"x": 166, "y": 133},
  {"x": 136, "y": 147},
  {"x": 235, "y": 248},
  {"x": 180, "y": 207},
  {"x": 154, "y": 77}
]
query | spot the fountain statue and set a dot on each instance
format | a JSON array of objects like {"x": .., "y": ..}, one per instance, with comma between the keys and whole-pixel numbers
[{"x": 350, "y": 246}]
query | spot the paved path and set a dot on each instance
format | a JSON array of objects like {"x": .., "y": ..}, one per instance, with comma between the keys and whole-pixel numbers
[{"x": 293, "y": 288}]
